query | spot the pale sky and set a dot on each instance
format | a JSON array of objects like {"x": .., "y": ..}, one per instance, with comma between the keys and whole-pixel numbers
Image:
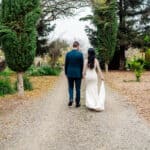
[{"x": 72, "y": 29}]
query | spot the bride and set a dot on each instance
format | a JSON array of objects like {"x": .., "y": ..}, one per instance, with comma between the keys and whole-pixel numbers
[{"x": 91, "y": 72}]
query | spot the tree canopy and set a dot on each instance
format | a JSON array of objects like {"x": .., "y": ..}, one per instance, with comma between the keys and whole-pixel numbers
[
  {"x": 52, "y": 10},
  {"x": 18, "y": 34},
  {"x": 103, "y": 35}
]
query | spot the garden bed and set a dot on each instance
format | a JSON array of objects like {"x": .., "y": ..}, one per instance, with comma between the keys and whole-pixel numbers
[{"x": 138, "y": 93}]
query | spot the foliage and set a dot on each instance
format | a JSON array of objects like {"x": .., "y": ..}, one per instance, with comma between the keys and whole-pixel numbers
[
  {"x": 5, "y": 86},
  {"x": 147, "y": 39},
  {"x": 55, "y": 9},
  {"x": 27, "y": 84},
  {"x": 137, "y": 65},
  {"x": 6, "y": 72},
  {"x": 103, "y": 37},
  {"x": 55, "y": 51},
  {"x": 147, "y": 59},
  {"x": 18, "y": 35},
  {"x": 133, "y": 26},
  {"x": 43, "y": 71},
  {"x": 18, "y": 32},
  {"x": 52, "y": 10},
  {"x": 147, "y": 55},
  {"x": 44, "y": 30},
  {"x": 147, "y": 65}
]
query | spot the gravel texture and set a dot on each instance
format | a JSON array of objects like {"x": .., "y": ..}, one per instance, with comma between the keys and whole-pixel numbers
[
  {"x": 48, "y": 124},
  {"x": 137, "y": 93}
]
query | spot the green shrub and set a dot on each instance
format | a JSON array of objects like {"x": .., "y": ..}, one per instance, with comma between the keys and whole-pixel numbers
[
  {"x": 27, "y": 84},
  {"x": 43, "y": 71},
  {"x": 127, "y": 65},
  {"x": 6, "y": 72},
  {"x": 137, "y": 65},
  {"x": 33, "y": 71},
  {"x": 147, "y": 65},
  {"x": 18, "y": 34},
  {"x": 147, "y": 55},
  {"x": 46, "y": 70},
  {"x": 5, "y": 86},
  {"x": 147, "y": 59}
]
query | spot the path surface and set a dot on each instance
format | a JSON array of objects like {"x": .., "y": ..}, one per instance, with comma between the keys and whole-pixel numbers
[{"x": 48, "y": 124}]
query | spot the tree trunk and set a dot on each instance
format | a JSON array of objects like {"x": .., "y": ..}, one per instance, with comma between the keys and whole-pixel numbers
[
  {"x": 106, "y": 67},
  {"x": 122, "y": 28},
  {"x": 115, "y": 62},
  {"x": 20, "y": 85},
  {"x": 122, "y": 58}
]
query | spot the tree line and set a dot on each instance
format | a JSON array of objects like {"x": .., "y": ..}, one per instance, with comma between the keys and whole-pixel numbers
[
  {"x": 25, "y": 25},
  {"x": 132, "y": 29},
  {"x": 22, "y": 22}
]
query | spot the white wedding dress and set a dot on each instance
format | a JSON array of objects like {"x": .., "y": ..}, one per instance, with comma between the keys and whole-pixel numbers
[{"x": 95, "y": 96}]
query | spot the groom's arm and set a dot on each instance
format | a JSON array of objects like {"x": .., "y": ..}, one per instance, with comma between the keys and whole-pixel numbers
[
  {"x": 66, "y": 64},
  {"x": 82, "y": 63}
]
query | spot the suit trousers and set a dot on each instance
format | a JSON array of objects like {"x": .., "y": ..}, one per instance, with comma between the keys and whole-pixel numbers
[{"x": 77, "y": 83}]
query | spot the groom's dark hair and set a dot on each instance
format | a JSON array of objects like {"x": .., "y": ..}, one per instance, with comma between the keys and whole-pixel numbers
[{"x": 76, "y": 44}]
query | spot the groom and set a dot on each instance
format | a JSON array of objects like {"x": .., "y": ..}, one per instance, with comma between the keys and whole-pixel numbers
[{"x": 73, "y": 71}]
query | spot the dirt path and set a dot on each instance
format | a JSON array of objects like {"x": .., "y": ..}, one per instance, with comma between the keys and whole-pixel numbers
[{"x": 48, "y": 124}]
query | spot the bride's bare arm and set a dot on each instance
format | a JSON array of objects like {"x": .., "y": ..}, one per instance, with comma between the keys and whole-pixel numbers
[{"x": 99, "y": 70}]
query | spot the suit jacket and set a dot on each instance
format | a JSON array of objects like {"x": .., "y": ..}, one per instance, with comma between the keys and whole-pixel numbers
[{"x": 74, "y": 64}]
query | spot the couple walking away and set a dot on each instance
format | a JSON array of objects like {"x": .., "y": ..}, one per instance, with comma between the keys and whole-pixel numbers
[{"x": 77, "y": 68}]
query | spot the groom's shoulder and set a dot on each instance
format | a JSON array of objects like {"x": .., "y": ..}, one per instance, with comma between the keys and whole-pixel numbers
[
  {"x": 72, "y": 52},
  {"x": 68, "y": 53},
  {"x": 80, "y": 52}
]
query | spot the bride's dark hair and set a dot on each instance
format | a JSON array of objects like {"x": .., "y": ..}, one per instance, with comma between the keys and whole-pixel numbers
[{"x": 91, "y": 58}]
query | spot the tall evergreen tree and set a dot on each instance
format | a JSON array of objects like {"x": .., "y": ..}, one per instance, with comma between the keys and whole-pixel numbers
[
  {"x": 18, "y": 35},
  {"x": 44, "y": 29},
  {"x": 134, "y": 23},
  {"x": 103, "y": 37}
]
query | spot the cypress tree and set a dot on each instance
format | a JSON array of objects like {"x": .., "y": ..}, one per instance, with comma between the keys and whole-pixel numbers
[
  {"x": 18, "y": 35},
  {"x": 107, "y": 31},
  {"x": 104, "y": 36},
  {"x": 44, "y": 29}
]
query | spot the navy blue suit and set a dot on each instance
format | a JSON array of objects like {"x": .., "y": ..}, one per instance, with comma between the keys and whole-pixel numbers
[{"x": 73, "y": 71}]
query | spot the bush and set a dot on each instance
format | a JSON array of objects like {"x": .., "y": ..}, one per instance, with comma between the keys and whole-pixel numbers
[
  {"x": 33, "y": 71},
  {"x": 137, "y": 65},
  {"x": 27, "y": 84},
  {"x": 147, "y": 59},
  {"x": 5, "y": 86},
  {"x": 147, "y": 65},
  {"x": 6, "y": 72},
  {"x": 43, "y": 70},
  {"x": 147, "y": 55},
  {"x": 127, "y": 65}
]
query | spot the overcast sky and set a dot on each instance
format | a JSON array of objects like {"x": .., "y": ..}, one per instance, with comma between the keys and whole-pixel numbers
[{"x": 72, "y": 29}]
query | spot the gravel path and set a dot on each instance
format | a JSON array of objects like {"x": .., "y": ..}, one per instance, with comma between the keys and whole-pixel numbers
[{"x": 48, "y": 124}]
